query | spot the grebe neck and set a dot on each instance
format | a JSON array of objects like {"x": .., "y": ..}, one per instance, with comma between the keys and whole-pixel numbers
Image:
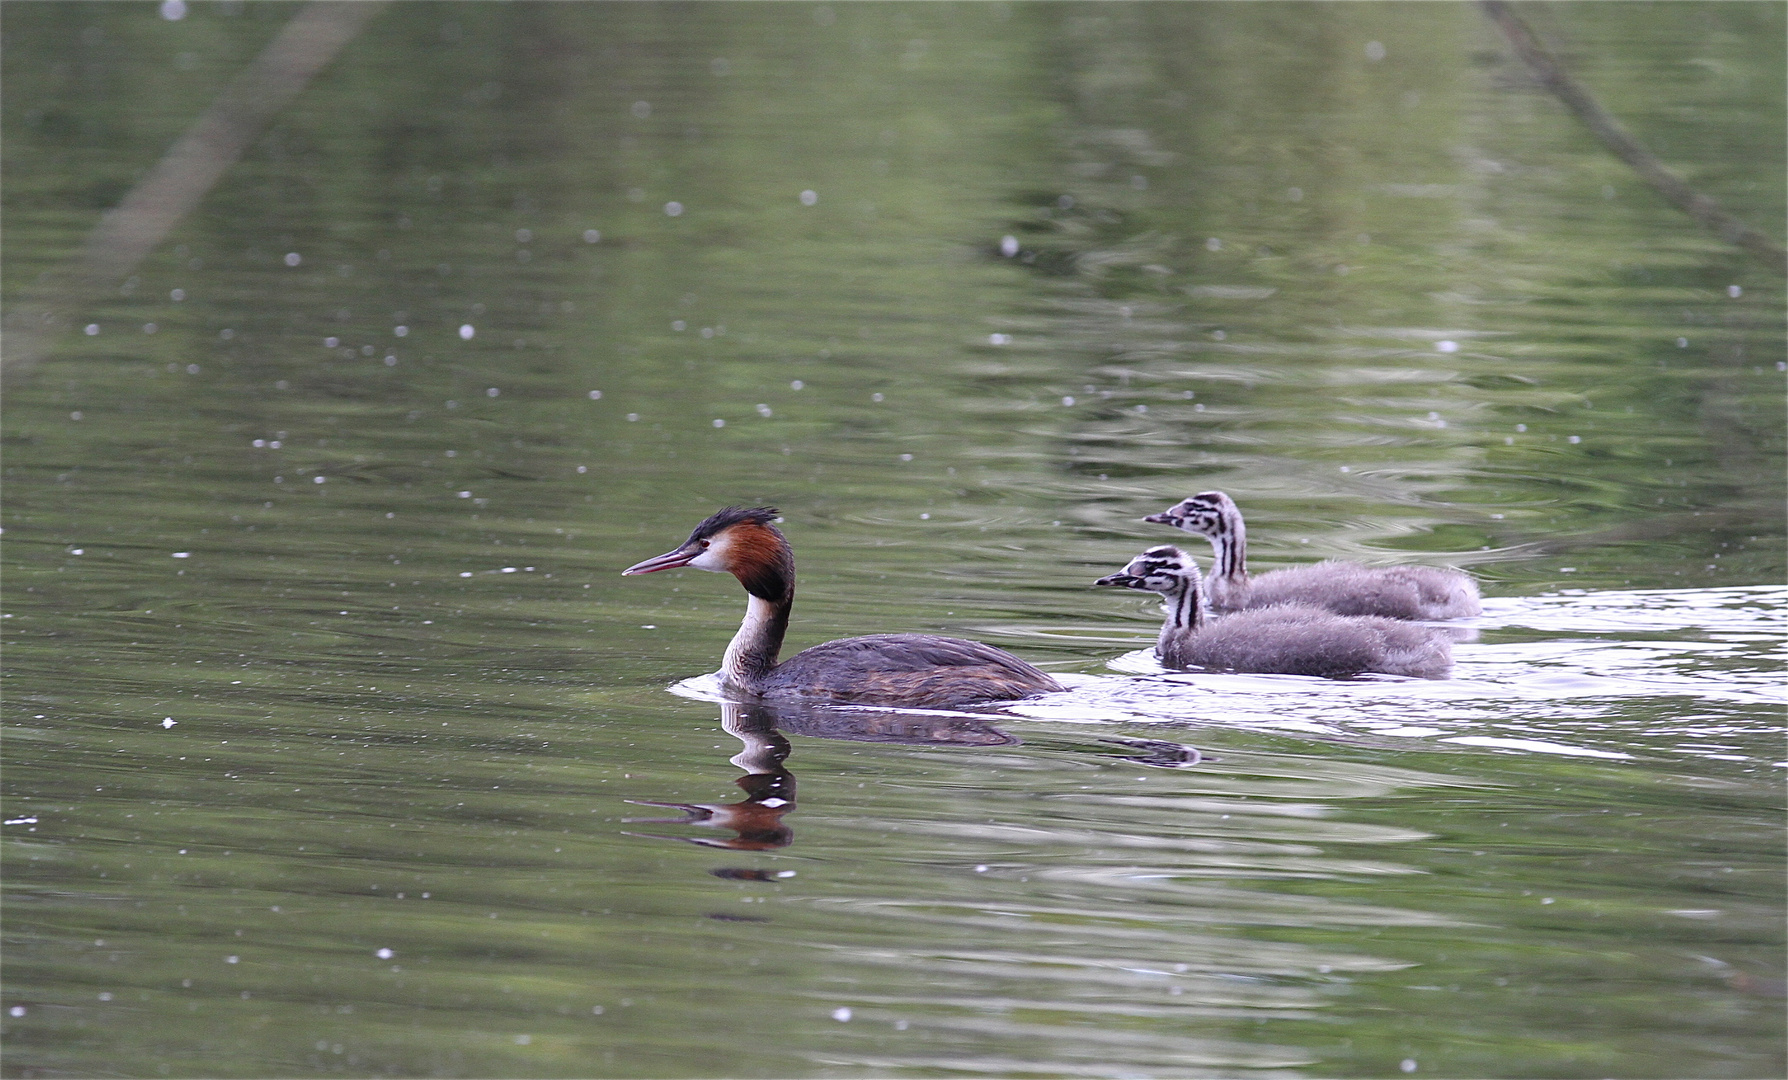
[
  {"x": 1229, "y": 548},
  {"x": 1185, "y": 614},
  {"x": 753, "y": 651}
]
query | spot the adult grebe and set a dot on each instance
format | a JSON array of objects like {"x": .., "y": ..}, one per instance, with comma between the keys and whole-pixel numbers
[
  {"x": 1288, "y": 639},
  {"x": 1396, "y": 592},
  {"x": 920, "y": 670}
]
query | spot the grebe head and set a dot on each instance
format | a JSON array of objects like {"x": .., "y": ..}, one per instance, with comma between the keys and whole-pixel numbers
[
  {"x": 739, "y": 541},
  {"x": 1204, "y": 514},
  {"x": 1163, "y": 569}
]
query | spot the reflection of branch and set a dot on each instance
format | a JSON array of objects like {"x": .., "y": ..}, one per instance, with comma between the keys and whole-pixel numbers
[
  {"x": 170, "y": 191},
  {"x": 1685, "y": 198}
]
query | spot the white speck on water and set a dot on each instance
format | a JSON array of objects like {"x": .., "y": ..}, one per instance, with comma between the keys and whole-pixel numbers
[
  {"x": 1567, "y": 569},
  {"x": 1547, "y": 900},
  {"x": 293, "y": 258},
  {"x": 465, "y": 573},
  {"x": 466, "y": 331},
  {"x": 1573, "y": 439},
  {"x": 1219, "y": 335},
  {"x": 842, "y": 1015},
  {"x": 900, "y": 1025},
  {"x": 492, "y": 392},
  {"x": 648, "y": 626},
  {"x": 641, "y": 109},
  {"x": 465, "y": 494},
  {"x": 797, "y": 385},
  {"x": 1682, "y": 342},
  {"x": 679, "y": 325},
  {"x": 384, "y": 954},
  {"x": 1213, "y": 244},
  {"x": 192, "y": 369},
  {"x": 91, "y": 329},
  {"x": 523, "y": 1040},
  {"x": 229, "y": 959},
  {"x": 16, "y": 1010},
  {"x": 1447, "y": 346},
  {"x": 583, "y": 468},
  {"x": 1008, "y": 246},
  {"x": 21, "y": 821},
  {"x": 523, "y": 236},
  {"x": 1067, "y": 401},
  {"x": 595, "y": 395},
  {"x": 177, "y": 295},
  {"x": 1408, "y": 1065},
  {"x": 632, "y": 417},
  {"x": 76, "y": 415},
  {"x": 390, "y": 360},
  {"x": 401, "y": 331},
  {"x": 592, "y": 236},
  {"x": 999, "y": 339},
  {"x": 150, "y": 328},
  {"x": 595, "y": 1010},
  {"x": 320, "y": 480},
  {"x": 719, "y": 423},
  {"x": 1346, "y": 468},
  {"x": 809, "y": 197},
  {"x": 785, "y": 873},
  {"x": 508, "y": 569},
  {"x": 1735, "y": 291},
  {"x": 673, "y": 209},
  {"x": 878, "y": 397},
  {"x": 173, "y": 10},
  {"x": 924, "y": 517},
  {"x": 182, "y": 554},
  {"x": 982, "y": 869},
  {"x": 1375, "y": 51},
  {"x": 1521, "y": 427},
  {"x": 1142, "y": 409},
  {"x": 168, "y": 722}
]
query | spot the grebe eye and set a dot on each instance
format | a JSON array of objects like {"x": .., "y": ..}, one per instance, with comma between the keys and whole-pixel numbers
[{"x": 703, "y": 544}]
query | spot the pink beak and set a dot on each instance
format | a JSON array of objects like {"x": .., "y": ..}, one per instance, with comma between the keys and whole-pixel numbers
[{"x": 670, "y": 560}]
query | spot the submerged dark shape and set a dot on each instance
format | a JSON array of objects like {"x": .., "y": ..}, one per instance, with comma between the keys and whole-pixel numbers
[
  {"x": 1395, "y": 592},
  {"x": 1288, "y": 639},
  {"x": 917, "y": 670}
]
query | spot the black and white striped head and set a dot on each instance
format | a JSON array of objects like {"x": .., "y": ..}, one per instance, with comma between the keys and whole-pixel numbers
[
  {"x": 1164, "y": 569},
  {"x": 1210, "y": 514}
]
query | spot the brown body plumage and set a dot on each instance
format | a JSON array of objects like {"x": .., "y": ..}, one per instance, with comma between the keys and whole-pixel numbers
[{"x": 918, "y": 670}]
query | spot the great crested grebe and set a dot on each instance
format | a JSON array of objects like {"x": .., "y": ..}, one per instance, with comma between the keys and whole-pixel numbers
[
  {"x": 1287, "y": 639},
  {"x": 920, "y": 670},
  {"x": 1396, "y": 592}
]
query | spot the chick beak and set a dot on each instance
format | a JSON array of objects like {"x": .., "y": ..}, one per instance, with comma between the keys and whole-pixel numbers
[
  {"x": 1163, "y": 518},
  {"x": 1123, "y": 581}
]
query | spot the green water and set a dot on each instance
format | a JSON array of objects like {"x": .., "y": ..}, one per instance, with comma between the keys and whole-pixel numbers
[{"x": 329, "y": 717}]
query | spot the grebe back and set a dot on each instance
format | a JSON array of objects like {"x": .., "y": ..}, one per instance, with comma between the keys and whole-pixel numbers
[
  {"x": 918, "y": 670},
  {"x": 1396, "y": 592}
]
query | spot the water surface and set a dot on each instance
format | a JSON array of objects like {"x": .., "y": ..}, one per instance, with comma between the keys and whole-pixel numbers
[{"x": 336, "y": 744}]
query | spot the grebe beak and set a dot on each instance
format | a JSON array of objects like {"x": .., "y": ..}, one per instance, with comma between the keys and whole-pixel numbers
[
  {"x": 670, "y": 560},
  {"x": 1163, "y": 518},
  {"x": 1125, "y": 581}
]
